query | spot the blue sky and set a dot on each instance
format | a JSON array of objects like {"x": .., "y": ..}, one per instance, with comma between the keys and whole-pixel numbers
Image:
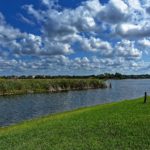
[{"x": 75, "y": 37}]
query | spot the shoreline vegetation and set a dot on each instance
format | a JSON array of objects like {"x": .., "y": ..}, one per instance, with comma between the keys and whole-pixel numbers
[
  {"x": 26, "y": 86},
  {"x": 119, "y": 125}
]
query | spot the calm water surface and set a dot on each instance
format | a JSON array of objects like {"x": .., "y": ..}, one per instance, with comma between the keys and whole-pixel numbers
[{"x": 14, "y": 109}]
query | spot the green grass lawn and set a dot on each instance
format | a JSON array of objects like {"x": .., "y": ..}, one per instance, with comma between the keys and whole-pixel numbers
[{"x": 116, "y": 126}]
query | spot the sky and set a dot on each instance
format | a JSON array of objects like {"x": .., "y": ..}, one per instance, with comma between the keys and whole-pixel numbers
[{"x": 74, "y": 37}]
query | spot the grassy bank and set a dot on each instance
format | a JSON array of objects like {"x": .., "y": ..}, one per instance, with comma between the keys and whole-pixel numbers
[
  {"x": 123, "y": 125},
  {"x": 22, "y": 86}
]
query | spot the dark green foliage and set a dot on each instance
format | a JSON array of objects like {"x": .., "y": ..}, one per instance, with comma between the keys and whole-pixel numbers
[{"x": 100, "y": 76}]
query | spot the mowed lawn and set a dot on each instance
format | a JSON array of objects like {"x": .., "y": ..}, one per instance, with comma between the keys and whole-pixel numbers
[{"x": 116, "y": 126}]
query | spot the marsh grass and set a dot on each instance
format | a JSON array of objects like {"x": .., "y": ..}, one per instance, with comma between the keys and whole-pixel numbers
[{"x": 20, "y": 86}]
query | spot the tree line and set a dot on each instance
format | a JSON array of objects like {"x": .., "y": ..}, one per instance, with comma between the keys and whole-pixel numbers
[{"x": 100, "y": 76}]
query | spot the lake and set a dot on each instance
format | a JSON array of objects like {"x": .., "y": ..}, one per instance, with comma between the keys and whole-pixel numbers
[{"x": 14, "y": 109}]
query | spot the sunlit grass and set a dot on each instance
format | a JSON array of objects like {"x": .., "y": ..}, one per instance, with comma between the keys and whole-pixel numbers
[{"x": 121, "y": 125}]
